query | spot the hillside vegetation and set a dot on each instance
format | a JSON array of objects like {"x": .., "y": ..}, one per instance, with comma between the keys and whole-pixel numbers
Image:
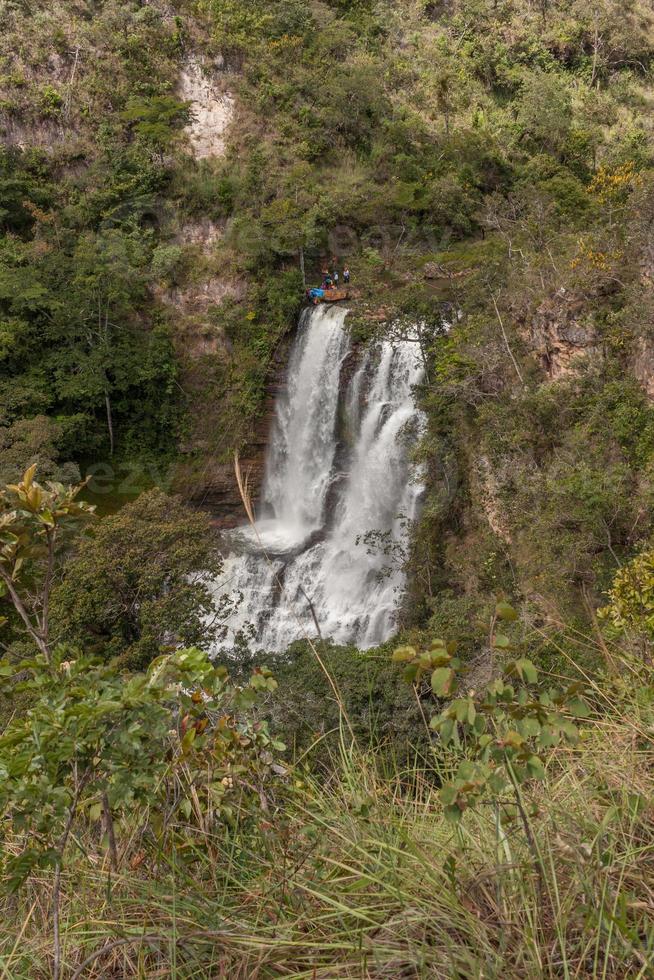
[{"x": 474, "y": 799}]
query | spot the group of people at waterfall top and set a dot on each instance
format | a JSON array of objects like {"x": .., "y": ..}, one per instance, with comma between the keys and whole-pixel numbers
[{"x": 330, "y": 281}]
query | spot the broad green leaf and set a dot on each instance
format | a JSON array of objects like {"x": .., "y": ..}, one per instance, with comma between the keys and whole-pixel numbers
[
  {"x": 448, "y": 794},
  {"x": 403, "y": 655},
  {"x": 578, "y": 708},
  {"x": 95, "y": 812},
  {"x": 506, "y": 612},
  {"x": 441, "y": 681},
  {"x": 535, "y": 768}
]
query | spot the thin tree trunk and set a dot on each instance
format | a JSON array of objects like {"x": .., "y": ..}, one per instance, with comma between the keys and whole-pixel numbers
[
  {"x": 47, "y": 586},
  {"x": 109, "y": 826},
  {"x": 71, "y": 82},
  {"x": 110, "y": 423},
  {"x": 22, "y": 612},
  {"x": 595, "y": 53},
  {"x": 304, "y": 278},
  {"x": 506, "y": 341}
]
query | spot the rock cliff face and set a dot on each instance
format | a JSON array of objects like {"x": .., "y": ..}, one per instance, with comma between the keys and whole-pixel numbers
[
  {"x": 208, "y": 478},
  {"x": 560, "y": 333},
  {"x": 643, "y": 365},
  {"x": 212, "y": 108}
]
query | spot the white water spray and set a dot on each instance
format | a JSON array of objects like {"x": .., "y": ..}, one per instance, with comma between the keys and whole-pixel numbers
[{"x": 338, "y": 496}]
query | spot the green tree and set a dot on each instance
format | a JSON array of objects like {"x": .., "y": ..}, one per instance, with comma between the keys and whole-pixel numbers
[
  {"x": 37, "y": 440},
  {"x": 156, "y": 119},
  {"x": 544, "y": 111},
  {"x": 109, "y": 280},
  {"x": 141, "y": 582},
  {"x": 631, "y": 597},
  {"x": 36, "y": 525}
]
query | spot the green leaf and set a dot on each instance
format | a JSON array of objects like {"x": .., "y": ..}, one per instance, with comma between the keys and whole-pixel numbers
[
  {"x": 501, "y": 642},
  {"x": 535, "y": 768},
  {"x": 461, "y": 709},
  {"x": 446, "y": 730},
  {"x": 95, "y": 812},
  {"x": 506, "y": 612},
  {"x": 524, "y": 668},
  {"x": 578, "y": 708},
  {"x": 441, "y": 681},
  {"x": 548, "y": 738},
  {"x": 403, "y": 655},
  {"x": 569, "y": 730},
  {"x": 448, "y": 794},
  {"x": 467, "y": 770},
  {"x": 530, "y": 727},
  {"x": 497, "y": 781}
]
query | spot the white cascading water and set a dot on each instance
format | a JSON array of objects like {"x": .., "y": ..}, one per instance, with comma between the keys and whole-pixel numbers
[{"x": 320, "y": 499}]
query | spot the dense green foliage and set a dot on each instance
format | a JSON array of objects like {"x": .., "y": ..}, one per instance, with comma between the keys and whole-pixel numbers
[
  {"x": 382, "y": 714},
  {"x": 80, "y": 343},
  {"x": 139, "y": 583}
]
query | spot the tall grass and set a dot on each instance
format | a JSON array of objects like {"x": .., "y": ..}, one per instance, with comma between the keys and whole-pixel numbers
[{"x": 360, "y": 876}]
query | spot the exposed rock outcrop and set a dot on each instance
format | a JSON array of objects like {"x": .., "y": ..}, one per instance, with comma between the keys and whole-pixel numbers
[
  {"x": 196, "y": 298},
  {"x": 560, "y": 333},
  {"x": 488, "y": 492},
  {"x": 212, "y": 108},
  {"x": 643, "y": 365},
  {"x": 208, "y": 478}
]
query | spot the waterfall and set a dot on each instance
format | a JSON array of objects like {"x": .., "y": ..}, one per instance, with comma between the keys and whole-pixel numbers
[{"x": 338, "y": 496}]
